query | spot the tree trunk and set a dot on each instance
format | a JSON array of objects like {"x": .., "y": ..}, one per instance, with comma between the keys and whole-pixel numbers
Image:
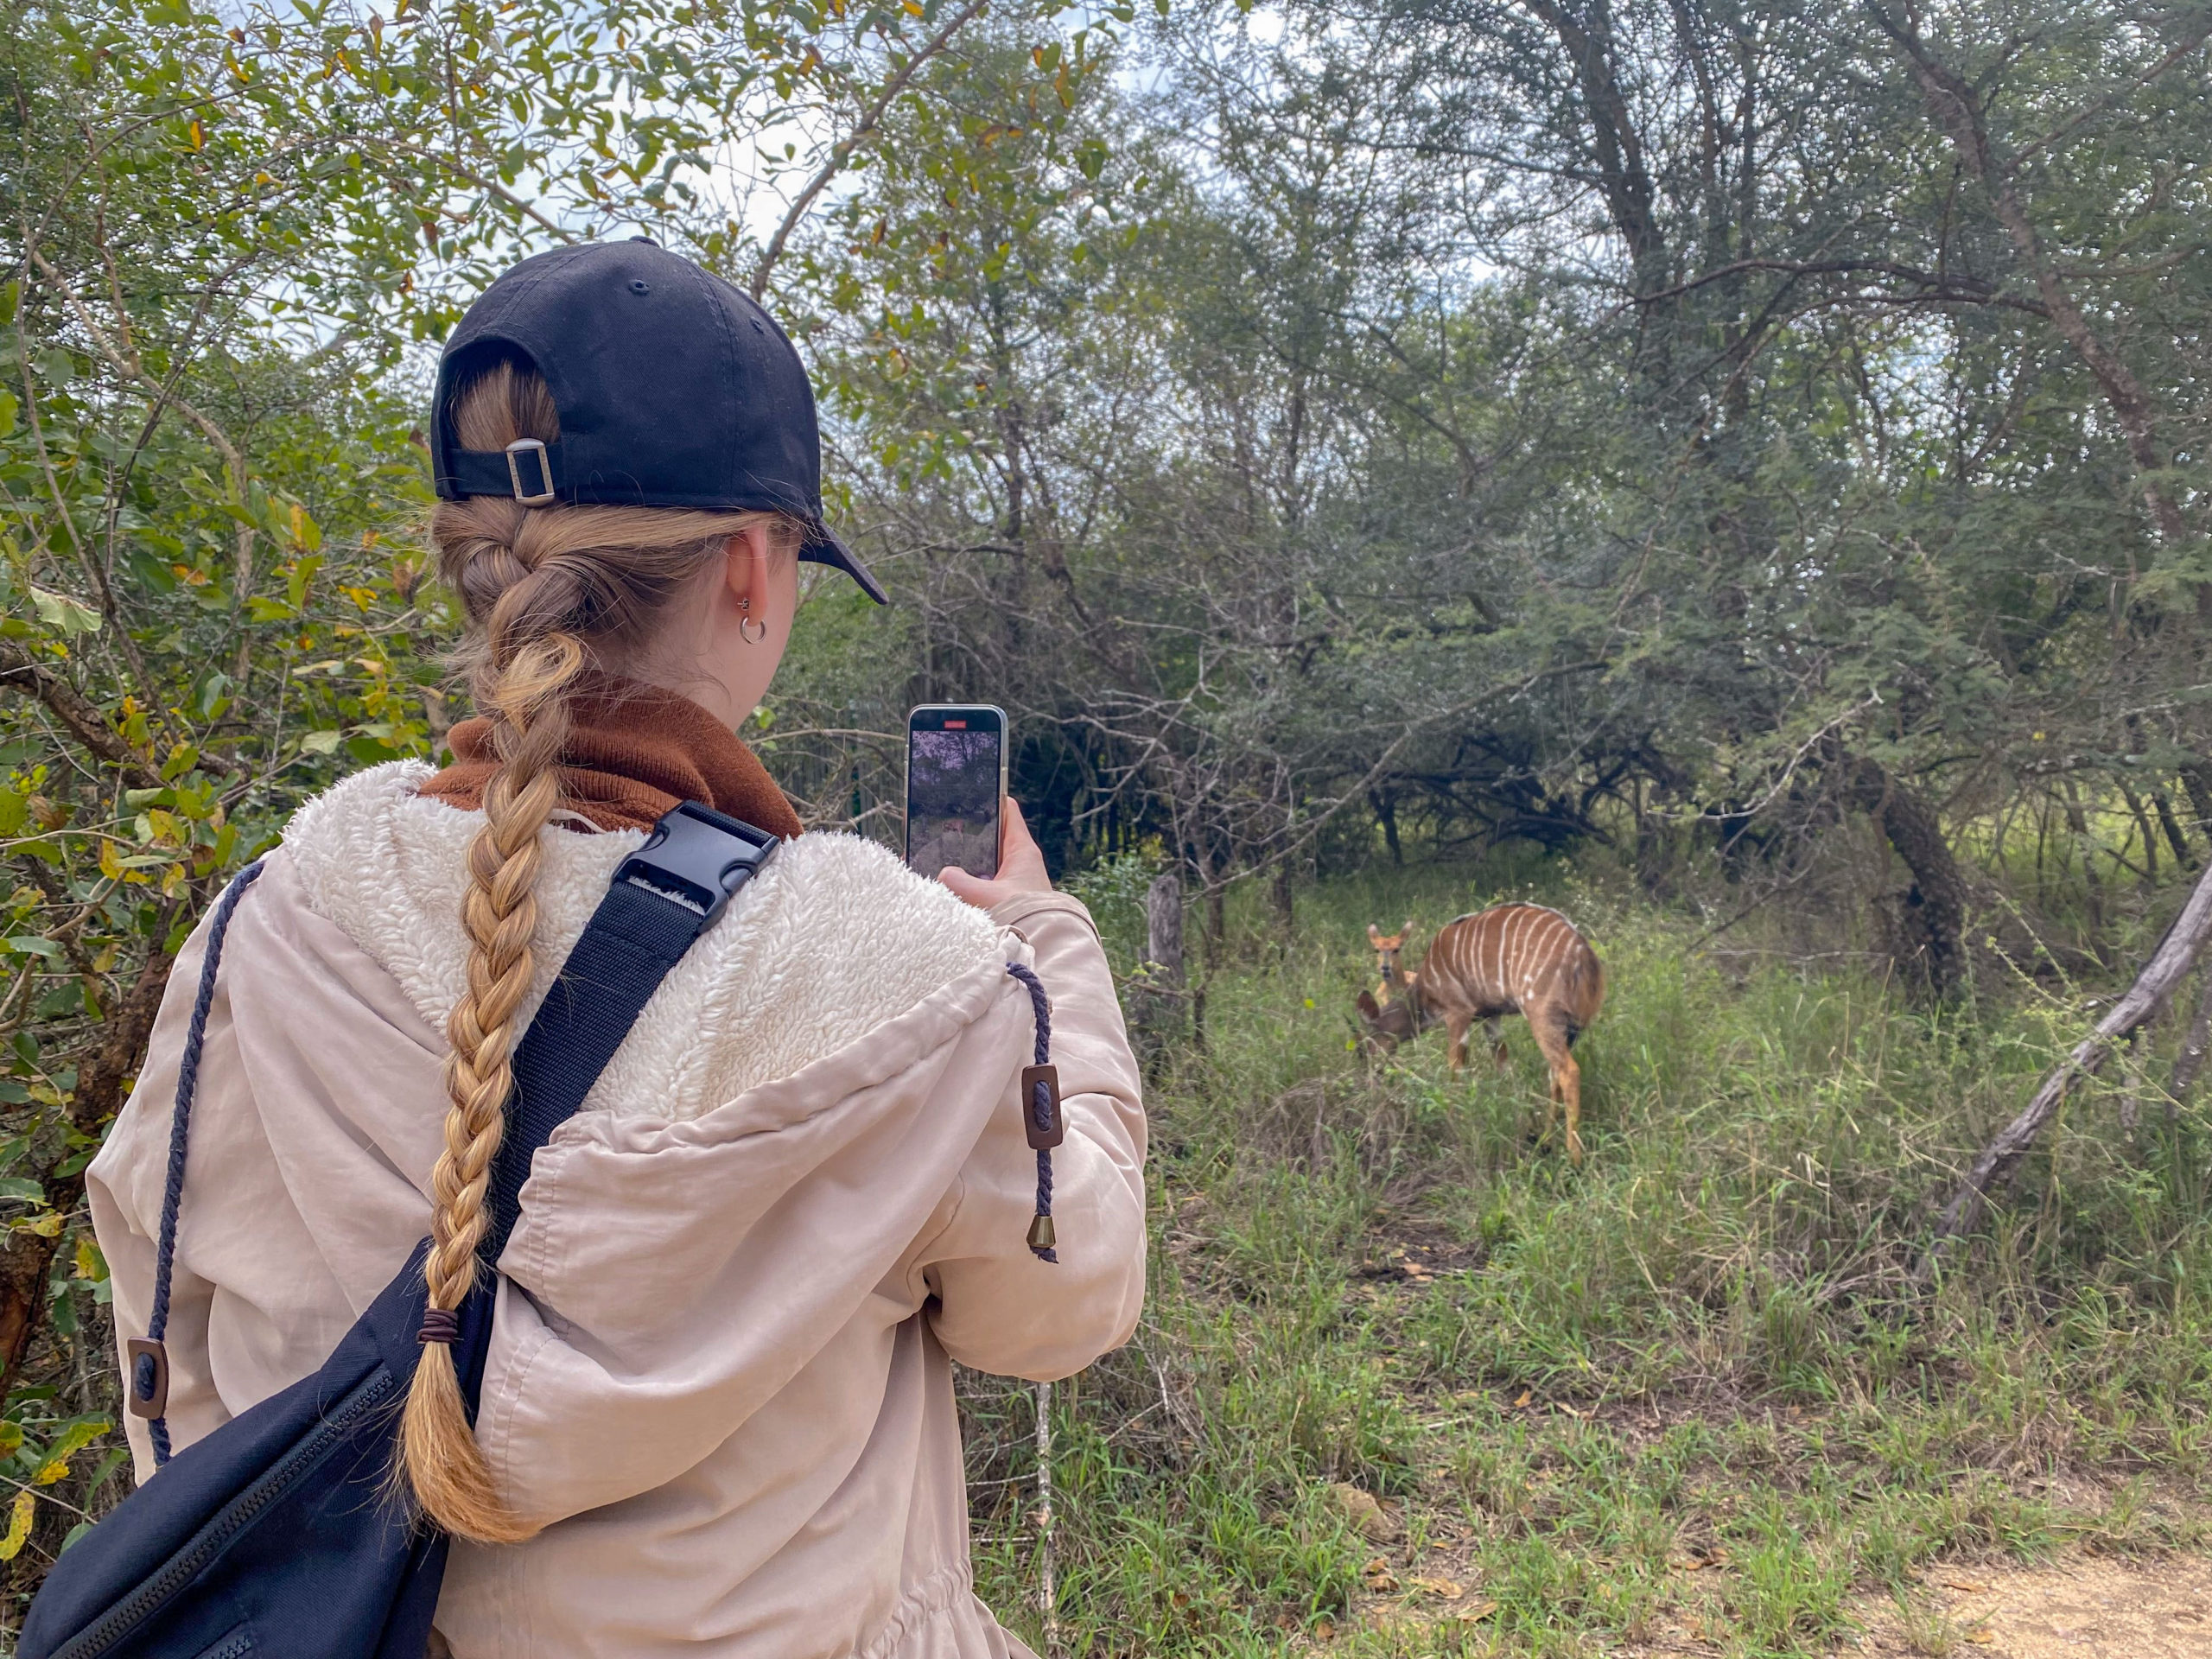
[
  {"x": 2086, "y": 847},
  {"x": 1936, "y": 904},
  {"x": 2154, "y": 987},
  {"x": 1283, "y": 894},
  {"x": 2164, "y": 807},
  {"x": 2150, "y": 839},
  {"x": 2196, "y": 778},
  {"x": 2194, "y": 1046},
  {"x": 1159, "y": 1014},
  {"x": 1386, "y": 814}
]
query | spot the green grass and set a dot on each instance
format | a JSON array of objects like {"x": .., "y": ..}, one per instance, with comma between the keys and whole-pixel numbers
[{"x": 1688, "y": 1389}]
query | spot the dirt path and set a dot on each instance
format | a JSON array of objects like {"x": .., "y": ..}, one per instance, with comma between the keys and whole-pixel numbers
[{"x": 2086, "y": 1607}]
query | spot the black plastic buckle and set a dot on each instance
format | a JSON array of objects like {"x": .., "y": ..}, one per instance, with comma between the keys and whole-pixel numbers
[{"x": 698, "y": 859}]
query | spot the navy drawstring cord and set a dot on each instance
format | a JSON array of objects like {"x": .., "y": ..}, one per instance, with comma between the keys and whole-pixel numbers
[
  {"x": 144, "y": 1367},
  {"x": 1040, "y": 1107}
]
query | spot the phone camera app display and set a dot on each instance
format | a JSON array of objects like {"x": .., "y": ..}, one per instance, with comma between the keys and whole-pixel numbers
[{"x": 952, "y": 795}]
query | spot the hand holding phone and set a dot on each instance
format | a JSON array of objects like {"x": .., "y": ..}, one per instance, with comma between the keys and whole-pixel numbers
[{"x": 1022, "y": 867}]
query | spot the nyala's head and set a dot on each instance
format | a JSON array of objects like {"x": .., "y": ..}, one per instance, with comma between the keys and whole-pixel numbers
[{"x": 1384, "y": 1026}]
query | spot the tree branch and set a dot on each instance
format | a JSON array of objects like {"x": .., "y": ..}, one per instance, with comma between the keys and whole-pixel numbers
[
  {"x": 2154, "y": 987},
  {"x": 19, "y": 671},
  {"x": 870, "y": 120}
]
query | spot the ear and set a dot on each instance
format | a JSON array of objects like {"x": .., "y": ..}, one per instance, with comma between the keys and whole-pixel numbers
[
  {"x": 1407, "y": 929},
  {"x": 747, "y": 558},
  {"x": 1375, "y": 935},
  {"x": 1366, "y": 1005}
]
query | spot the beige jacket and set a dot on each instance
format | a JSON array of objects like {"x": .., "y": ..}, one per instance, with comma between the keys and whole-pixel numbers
[{"x": 720, "y": 1368}]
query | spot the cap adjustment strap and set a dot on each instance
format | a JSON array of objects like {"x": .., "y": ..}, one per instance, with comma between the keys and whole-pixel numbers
[{"x": 528, "y": 471}]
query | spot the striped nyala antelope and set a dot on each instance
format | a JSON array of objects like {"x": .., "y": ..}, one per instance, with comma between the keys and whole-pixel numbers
[
  {"x": 1386, "y": 958},
  {"x": 1522, "y": 959}
]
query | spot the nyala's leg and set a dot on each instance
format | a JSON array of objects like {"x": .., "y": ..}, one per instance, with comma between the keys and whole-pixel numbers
[{"x": 1565, "y": 1081}]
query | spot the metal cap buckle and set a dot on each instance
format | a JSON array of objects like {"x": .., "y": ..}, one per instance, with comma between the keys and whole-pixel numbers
[
  {"x": 545, "y": 472},
  {"x": 697, "y": 858}
]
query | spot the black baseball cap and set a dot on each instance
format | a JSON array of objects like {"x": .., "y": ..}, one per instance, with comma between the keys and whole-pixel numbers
[{"x": 674, "y": 390}]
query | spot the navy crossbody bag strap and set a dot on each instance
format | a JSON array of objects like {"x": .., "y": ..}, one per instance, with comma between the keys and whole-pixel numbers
[{"x": 663, "y": 897}]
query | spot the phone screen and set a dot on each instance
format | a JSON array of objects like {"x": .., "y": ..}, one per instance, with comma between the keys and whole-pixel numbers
[{"x": 956, "y": 775}]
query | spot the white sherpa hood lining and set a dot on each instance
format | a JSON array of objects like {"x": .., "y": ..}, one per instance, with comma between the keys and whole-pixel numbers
[{"x": 833, "y": 938}]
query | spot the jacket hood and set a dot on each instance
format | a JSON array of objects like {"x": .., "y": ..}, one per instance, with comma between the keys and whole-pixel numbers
[{"x": 833, "y": 938}]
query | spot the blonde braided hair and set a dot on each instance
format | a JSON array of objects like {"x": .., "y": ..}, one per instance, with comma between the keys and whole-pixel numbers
[{"x": 554, "y": 595}]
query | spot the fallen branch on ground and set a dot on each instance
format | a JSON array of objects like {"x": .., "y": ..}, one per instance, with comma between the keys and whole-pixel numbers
[{"x": 2154, "y": 987}]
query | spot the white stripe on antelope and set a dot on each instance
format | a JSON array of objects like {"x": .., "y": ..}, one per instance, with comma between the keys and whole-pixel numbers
[{"x": 1523, "y": 959}]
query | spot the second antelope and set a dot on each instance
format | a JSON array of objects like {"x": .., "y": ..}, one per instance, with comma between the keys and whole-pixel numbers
[{"x": 1523, "y": 959}]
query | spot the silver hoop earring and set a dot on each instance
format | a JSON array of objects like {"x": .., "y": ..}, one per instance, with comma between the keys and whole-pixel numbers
[{"x": 752, "y": 630}]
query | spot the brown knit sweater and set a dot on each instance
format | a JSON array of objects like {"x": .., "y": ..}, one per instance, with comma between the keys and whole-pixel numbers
[{"x": 633, "y": 752}]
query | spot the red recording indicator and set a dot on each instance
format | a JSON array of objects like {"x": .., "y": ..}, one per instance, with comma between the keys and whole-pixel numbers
[{"x": 956, "y": 725}]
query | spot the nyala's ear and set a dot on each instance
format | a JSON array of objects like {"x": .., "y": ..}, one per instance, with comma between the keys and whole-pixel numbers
[
  {"x": 1406, "y": 931},
  {"x": 1375, "y": 935},
  {"x": 1369, "y": 1009}
]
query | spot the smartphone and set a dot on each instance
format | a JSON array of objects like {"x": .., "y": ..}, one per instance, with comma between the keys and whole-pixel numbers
[{"x": 956, "y": 779}]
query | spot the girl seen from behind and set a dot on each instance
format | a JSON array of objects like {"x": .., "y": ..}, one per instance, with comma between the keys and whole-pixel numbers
[{"x": 717, "y": 1414}]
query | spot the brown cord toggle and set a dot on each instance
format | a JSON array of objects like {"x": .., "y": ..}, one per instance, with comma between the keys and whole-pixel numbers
[
  {"x": 149, "y": 1393},
  {"x": 1044, "y": 1136},
  {"x": 440, "y": 1325}
]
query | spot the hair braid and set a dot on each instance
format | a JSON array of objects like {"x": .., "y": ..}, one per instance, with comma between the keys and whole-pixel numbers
[
  {"x": 526, "y": 704},
  {"x": 552, "y": 594}
]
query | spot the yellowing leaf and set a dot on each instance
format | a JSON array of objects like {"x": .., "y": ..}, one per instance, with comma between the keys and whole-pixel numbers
[
  {"x": 19, "y": 1526},
  {"x": 91, "y": 1264},
  {"x": 73, "y": 1439}
]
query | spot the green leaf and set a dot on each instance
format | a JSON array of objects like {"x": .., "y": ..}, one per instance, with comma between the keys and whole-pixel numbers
[
  {"x": 30, "y": 945},
  {"x": 323, "y": 742},
  {"x": 21, "y": 1190},
  {"x": 71, "y": 616}
]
